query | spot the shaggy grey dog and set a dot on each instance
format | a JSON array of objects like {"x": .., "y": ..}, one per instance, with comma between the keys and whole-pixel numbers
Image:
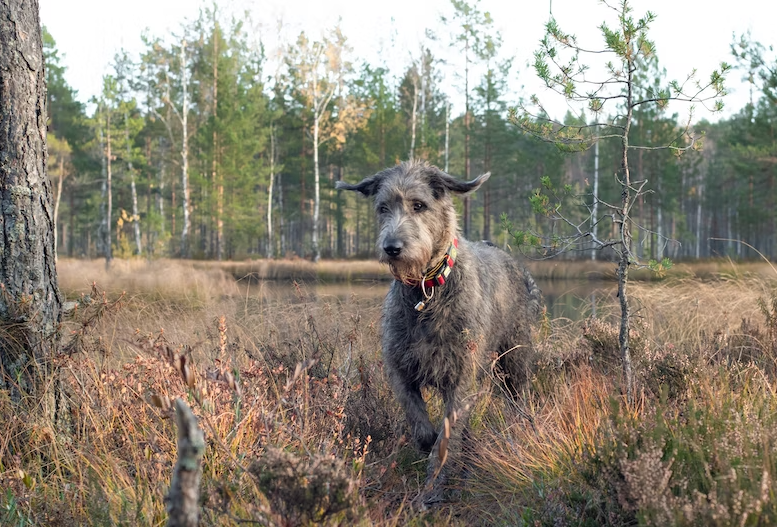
[{"x": 456, "y": 308}]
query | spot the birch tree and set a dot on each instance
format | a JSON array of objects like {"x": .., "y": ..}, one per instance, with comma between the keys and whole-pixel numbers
[
  {"x": 60, "y": 154},
  {"x": 105, "y": 139},
  {"x": 124, "y": 69},
  {"x": 317, "y": 65},
  {"x": 166, "y": 79}
]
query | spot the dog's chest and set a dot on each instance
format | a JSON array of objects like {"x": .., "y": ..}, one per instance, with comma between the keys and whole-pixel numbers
[{"x": 436, "y": 347}]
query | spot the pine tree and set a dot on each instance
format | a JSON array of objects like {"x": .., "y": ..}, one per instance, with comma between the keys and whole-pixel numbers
[
  {"x": 30, "y": 303},
  {"x": 474, "y": 39},
  {"x": 559, "y": 64}
]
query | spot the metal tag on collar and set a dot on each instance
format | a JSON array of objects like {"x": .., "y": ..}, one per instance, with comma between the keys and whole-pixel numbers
[{"x": 420, "y": 306}]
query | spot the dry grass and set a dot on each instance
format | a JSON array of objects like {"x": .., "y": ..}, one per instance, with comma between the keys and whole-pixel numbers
[
  {"x": 712, "y": 269},
  {"x": 169, "y": 280},
  {"x": 690, "y": 312},
  {"x": 305, "y": 270},
  {"x": 170, "y": 276},
  {"x": 302, "y": 428}
]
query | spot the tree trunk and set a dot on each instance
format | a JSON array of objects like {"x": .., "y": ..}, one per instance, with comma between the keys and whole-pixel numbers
[
  {"x": 217, "y": 182},
  {"x": 133, "y": 188},
  {"x": 414, "y": 117},
  {"x": 109, "y": 194},
  {"x": 270, "y": 252},
  {"x": 424, "y": 71},
  {"x": 699, "y": 191},
  {"x": 341, "y": 232},
  {"x": 298, "y": 241},
  {"x": 467, "y": 212},
  {"x": 70, "y": 243},
  {"x": 160, "y": 198},
  {"x": 595, "y": 207},
  {"x": 149, "y": 192},
  {"x": 282, "y": 222},
  {"x": 316, "y": 175},
  {"x": 316, "y": 191},
  {"x": 220, "y": 223},
  {"x": 172, "y": 208},
  {"x": 447, "y": 134},
  {"x": 625, "y": 257},
  {"x": 60, "y": 178},
  {"x": 487, "y": 162},
  {"x": 185, "y": 155},
  {"x": 31, "y": 304},
  {"x": 659, "y": 223}
]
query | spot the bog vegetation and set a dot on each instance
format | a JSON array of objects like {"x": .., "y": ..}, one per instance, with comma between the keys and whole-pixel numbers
[{"x": 302, "y": 429}]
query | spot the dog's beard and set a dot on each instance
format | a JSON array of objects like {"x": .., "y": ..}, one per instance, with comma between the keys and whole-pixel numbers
[
  {"x": 416, "y": 259},
  {"x": 407, "y": 270},
  {"x": 406, "y": 274}
]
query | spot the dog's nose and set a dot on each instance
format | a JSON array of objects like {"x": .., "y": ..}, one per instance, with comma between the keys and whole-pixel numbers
[{"x": 392, "y": 247}]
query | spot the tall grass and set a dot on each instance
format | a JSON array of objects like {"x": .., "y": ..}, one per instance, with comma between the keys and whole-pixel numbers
[
  {"x": 302, "y": 428},
  {"x": 167, "y": 280}
]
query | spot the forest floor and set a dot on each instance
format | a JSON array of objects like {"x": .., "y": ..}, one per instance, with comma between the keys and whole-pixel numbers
[{"x": 308, "y": 431}]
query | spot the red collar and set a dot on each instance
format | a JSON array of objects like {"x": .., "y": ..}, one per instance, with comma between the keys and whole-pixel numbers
[{"x": 438, "y": 274}]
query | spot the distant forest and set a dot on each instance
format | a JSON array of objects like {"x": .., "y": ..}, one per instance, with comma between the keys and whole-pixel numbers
[{"x": 199, "y": 149}]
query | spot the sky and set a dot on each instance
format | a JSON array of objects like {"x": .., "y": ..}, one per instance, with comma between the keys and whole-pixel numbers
[{"x": 688, "y": 35}]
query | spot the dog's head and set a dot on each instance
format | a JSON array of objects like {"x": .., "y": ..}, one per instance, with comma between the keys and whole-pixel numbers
[{"x": 414, "y": 208}]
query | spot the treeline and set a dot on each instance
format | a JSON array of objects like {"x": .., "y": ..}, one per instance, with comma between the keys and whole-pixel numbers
[{"x": 203, "y": 147}]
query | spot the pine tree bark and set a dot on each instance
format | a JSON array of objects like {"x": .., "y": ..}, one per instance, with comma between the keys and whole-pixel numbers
[{"x": 30, "y": 303}]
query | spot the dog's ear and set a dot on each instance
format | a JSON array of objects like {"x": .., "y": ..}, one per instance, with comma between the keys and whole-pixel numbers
[
  {"x": 368, "y": 186},
  {"x": 442, "y": 182}
]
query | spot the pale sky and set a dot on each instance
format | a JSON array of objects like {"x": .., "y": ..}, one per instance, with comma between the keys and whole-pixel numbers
[{"x": 687, "y": 34}]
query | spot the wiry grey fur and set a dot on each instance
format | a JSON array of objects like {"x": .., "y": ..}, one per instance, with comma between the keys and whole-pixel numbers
[{"x": 479, "y": 318}]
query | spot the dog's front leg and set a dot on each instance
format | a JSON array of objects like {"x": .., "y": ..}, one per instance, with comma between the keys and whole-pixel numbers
[
  {"x": 446, "y": 456},
  {"x": 409, "y": 397}
]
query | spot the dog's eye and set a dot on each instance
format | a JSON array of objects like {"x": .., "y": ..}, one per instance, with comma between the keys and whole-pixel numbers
[
  {"x": 418, "y": 206},
  {"x": 383, "y": 209}
]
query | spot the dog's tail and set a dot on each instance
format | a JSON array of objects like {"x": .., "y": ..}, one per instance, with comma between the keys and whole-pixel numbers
[{"x": 535, "y": 295}]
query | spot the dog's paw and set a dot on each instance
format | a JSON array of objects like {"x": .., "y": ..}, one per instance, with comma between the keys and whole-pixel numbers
[{"x": 425, "y": 440}]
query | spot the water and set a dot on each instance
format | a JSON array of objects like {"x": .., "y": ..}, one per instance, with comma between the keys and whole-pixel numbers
[
  {"x": 578, "y": 299},
  {"x": 571, "y": 299}
]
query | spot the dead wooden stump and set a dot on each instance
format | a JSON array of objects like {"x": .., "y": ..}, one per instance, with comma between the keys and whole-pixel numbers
[{"x": 183, "y": 498}]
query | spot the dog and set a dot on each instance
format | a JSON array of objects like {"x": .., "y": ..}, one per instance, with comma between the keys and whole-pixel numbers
[{"x": 455, "y": 308}]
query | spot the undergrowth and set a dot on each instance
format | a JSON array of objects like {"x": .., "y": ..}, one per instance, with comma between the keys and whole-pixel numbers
[{"x": 302, "y": 429}]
